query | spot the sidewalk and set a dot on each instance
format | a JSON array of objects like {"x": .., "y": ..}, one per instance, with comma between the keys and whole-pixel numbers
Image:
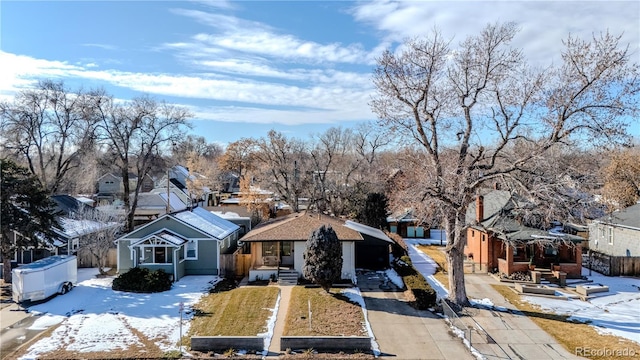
[
  {"x": 278, "y": 330},
  {"x": 497, "y": 334},
  {"x": 403, "y": 332},
  {"x": 510, "y": 332}
]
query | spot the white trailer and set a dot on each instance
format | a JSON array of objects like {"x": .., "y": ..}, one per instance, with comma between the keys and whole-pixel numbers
[{"x": 44, "y": 278}]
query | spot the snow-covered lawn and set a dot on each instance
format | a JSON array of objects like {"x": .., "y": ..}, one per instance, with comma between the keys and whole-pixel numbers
[
  {"x": 616, "y": 312},
  {"x": 94, "y": 318}
]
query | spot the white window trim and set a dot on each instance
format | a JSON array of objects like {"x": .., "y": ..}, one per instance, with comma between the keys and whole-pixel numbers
[
  {"x": 167, "y": 250},
  {"x": 186, "y": 246},
  {"x": 610, "y": 235}
]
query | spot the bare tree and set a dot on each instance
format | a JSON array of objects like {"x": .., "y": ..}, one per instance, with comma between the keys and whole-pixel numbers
[
  {"x": 342, "y": 161},
  {"x": 285, "y": 160},
  {"x": 193, "y": 146},
  {"x": 622, "y": 179},
  {"x": 466, "y": 106},
  {"x": 105, "y": 224},
  {"x": 237, "y": 157},
  {"x": 48, "y": 129},
  {"x": 135, "y": 134}
]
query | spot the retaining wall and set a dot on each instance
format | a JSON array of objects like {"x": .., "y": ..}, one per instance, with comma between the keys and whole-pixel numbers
[
  {"x": 222, "y": 343},
  {"x": 326, "y": 343}
]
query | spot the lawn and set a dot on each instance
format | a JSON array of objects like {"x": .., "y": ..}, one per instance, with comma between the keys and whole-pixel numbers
[
  {"x": 238, "y": 312},
  {"x": 571, "y": 335},
  {"x": 436, "y": 253},
  {"x": 332, "y": 314}
]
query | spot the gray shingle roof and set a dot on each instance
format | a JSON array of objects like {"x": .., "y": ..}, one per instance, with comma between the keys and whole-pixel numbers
[
  {"x": 298, "y": 227},
  {"x": 626, "y": 217}
]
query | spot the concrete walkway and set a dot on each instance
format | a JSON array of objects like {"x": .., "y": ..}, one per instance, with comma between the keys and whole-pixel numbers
[
  {"x": 511, "y": 334},
  {"x": 403, "y": 332},
  {"x": 278, "y": 330}
]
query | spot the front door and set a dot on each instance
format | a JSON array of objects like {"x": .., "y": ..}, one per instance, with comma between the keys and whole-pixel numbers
[{"x": 286, "y": 253}]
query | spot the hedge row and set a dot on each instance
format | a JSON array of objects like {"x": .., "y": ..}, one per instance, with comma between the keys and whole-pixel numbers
[
  {"x": 423, "y": 292},
  {"x": 142, "y": 280}
]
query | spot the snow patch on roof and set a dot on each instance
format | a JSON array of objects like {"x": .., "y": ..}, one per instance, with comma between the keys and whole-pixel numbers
[
  {"x": 368, "y": 230},
  {"x": 208, "y": 222}
]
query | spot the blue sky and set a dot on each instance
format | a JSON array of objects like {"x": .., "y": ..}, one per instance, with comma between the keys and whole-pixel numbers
[{"x": 245, "y": 67}]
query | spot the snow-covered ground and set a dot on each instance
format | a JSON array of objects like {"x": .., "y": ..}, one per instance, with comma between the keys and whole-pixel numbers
[
  {"x": 616, "y": 312},
  {"x": 95, "y": 318}
]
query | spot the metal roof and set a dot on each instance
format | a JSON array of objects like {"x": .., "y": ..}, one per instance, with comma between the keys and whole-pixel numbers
[{"x": 207, "y": 222}]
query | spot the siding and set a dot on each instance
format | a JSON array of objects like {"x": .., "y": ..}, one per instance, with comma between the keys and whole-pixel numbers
[
  {"x": 124, "y": 256},
  {"x": 166, "y": 223},
  {"x": 207, "y": 263},
  {"x": 626, "y": 242}
]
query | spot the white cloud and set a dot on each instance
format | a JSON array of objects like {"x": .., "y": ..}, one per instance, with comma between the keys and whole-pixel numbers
[
  {"x": 254, "y": 38},
  {"x": 102, "y": 46},
  {"x": 544, "y": 24},
  {"x": 331, "y": 95},
  {"x": 283, "y": 116},
  {"x": 18, "y": 72}
]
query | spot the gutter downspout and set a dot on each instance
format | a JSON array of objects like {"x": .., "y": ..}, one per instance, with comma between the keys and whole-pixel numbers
[{"x": 175, "y": 264}]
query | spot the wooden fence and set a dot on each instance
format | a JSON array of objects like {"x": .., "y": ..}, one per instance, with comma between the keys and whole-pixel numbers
[
  {"x": 235, "y": 265},
  {"x": 612, "y": 265},
  {"x": 86, "y": 260}
]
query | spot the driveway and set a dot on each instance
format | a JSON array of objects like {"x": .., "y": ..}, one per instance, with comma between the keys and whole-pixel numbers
[{"x": 403, "y": 332}]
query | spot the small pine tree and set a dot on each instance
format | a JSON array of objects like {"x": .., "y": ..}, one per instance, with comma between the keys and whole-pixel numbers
[{"x": 323, "y": 257}]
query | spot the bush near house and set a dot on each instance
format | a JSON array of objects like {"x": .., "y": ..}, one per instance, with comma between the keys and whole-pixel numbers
[
  {"x": 142, "y": 280},
  {"x": 425, "y": 296}
]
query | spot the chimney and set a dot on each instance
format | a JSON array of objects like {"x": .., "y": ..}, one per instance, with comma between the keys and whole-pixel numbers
[{"x": 479, "y": 208}]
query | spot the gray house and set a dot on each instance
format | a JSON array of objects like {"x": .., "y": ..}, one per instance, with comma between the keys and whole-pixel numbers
[
  {"x": 617, "y": 234},
  {"x": 614, "y": 241},
  {"x": 188, "y": 242}
]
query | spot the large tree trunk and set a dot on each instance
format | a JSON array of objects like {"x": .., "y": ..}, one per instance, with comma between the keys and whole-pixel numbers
[
  {"x": 455, "y": 258},
  {"x": 6, "y": 261}
]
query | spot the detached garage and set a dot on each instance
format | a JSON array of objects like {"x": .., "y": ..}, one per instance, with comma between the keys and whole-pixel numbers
[{"x": 373, "y": 252}]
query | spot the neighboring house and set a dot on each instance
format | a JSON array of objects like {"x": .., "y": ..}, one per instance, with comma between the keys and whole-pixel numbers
[
  {"x": 405, "y": 224},
  {"x": 230, "y": 182},
  {"x": 152, "y": 205},
  {"x": 73, "y": 230},
  {"x": 188, "y": 242},
  {"x": 614, "y": 241},
  {"x": 178, "y": 178},
  {"x": 278, "y": 246},
  {"x": 111, "y": 187},
  {"x": 244, "y": 222},
  {"x": 498, "y": 242}
]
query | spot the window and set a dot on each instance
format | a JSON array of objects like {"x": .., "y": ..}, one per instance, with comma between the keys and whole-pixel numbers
[
  {"x": 156, "y": 255},
  {"x": 610, "y": 235},
  {"x": 269, "y": 248},
  {"x": 191, "y": 250}
]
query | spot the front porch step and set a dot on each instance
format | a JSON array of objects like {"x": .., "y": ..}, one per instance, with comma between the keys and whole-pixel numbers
[{"x": 287, "y": 277}]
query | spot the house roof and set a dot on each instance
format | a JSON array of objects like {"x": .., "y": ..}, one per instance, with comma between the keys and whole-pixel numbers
[
  {"x": 72, "y": 228},
  {"x": 629, "y": 217},
  {"x": 368, "y": 230},
  {"x": 405, "y": 215},
  {"x": 67, "y": 204},
  {"x": 298, "y": 227},
  {"x": 207, "y": 222},
  {"x": 132, "y": 176},
  {"x": 498, "y": 207},
  {"x": 494, "y": 202},
  {"x": 164, "y": 235}
]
